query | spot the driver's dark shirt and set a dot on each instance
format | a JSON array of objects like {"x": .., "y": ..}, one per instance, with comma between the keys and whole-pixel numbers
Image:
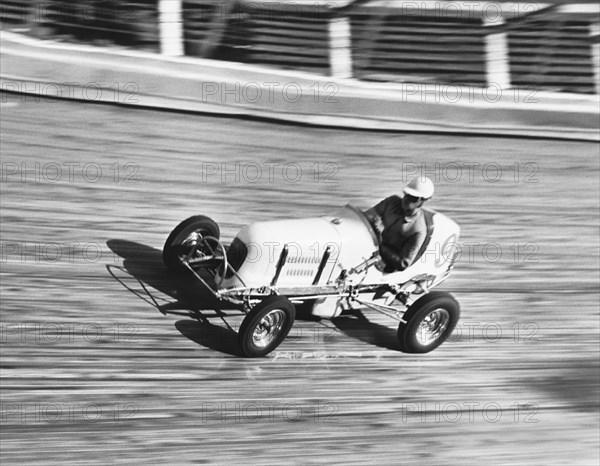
[{"x": 402, "y": 235}]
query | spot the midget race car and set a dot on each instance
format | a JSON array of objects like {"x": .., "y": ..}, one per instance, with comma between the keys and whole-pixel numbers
[{"x": 327, "y": 265}]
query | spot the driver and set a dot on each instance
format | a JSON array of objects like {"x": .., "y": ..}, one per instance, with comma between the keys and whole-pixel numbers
[{"x": 400, "y": 224}]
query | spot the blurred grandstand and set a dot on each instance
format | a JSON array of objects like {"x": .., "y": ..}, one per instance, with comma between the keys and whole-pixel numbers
[{"x": 552, "y": 46}]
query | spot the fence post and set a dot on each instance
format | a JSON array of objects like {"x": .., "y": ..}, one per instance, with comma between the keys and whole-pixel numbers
[
  {"x": 595, "y": 45},
  {"x": 170, "y": 23},
  {"x": 340, "y": 47},
  {"x": 497, "y": 59}
]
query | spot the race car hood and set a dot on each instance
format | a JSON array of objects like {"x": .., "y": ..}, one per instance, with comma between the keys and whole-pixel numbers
[
  {"x": 303, "y": 242},
  {"x": 311, "y": 251}
]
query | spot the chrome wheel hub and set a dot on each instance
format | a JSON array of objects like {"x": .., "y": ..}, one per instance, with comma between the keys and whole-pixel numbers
[
  {"x": 268, "y": 328},
  {"x": 191, "y": 243},
  {"x": 433, "y": 326}
]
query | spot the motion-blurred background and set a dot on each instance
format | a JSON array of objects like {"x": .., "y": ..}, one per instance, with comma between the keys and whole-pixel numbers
[
  {"x": 93, "y": 372},
  {"x": 551, "y": 45}
]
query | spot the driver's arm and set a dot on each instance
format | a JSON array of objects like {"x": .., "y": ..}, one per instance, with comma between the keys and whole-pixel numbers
[{"x": 401, "y": 260}]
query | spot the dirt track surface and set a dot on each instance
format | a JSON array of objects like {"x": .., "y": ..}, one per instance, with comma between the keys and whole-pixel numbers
[{"x": 93, "y": 371}]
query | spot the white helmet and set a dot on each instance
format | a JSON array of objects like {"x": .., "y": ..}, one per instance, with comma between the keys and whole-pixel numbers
[{"x": 419, "y": 187}]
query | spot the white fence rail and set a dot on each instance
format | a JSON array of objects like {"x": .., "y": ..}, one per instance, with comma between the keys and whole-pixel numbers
[{"x": 547, "y": 46}]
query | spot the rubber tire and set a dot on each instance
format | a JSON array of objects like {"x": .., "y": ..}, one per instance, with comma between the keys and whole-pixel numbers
[
  {"x": 253, "y": 318},
  {"x": 170, "y": 253},
  {"x": 417, "y": 312}
]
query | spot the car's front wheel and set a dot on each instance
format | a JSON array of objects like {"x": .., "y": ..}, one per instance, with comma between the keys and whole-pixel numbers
[
  {"x": 429, "y": 322},
  {"x": 189, "y": 238},
  {"x": 266, "y": 326}
]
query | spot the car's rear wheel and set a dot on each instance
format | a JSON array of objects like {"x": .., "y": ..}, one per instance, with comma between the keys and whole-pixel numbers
[
  {"x": 195, "y": 239},
  {"x": 429, "y": 322},
  {"x": 266, "y": 326}
]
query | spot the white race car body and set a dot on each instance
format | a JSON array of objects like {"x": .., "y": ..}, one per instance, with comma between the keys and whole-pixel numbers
[
  {"x": 303, "y": 253},
  {"x": 328, "y": 264}
]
